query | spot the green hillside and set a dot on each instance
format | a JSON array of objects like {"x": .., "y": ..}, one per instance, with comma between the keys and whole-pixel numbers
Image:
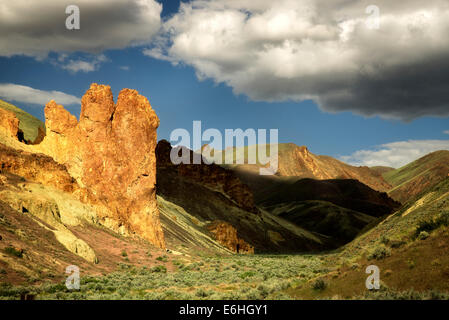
[
  {"x": 382, "y": 169},
  {"x": 418, "y": 176},
  {"x": 28, "y": 123},
  {"x": 339, "y": 223}
]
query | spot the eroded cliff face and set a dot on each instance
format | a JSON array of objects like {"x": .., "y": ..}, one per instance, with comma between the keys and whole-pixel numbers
[
  {"x": 36, "y": 167},
  {"x": 227, "y": 235},
  {"x": 9, "y": 124},
  {"x": 209, "y": 175},
  {"x": 110, "y": 152}
]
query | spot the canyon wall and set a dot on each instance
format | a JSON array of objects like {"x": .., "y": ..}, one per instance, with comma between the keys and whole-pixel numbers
[{"x": 109, "y": 152}]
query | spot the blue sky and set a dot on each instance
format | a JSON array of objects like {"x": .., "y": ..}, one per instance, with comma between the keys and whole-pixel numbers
[{"x": 179, "y": 97}]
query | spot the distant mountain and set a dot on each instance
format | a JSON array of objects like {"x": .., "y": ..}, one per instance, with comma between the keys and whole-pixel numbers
[
  {"x": 414, "y": 178},
  {"x": 299, "y": 162}
]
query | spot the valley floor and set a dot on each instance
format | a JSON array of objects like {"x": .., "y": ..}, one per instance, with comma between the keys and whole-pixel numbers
[{"x": 419, "y": 270}]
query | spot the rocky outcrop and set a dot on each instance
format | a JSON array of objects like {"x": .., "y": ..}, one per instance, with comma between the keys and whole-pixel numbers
[
  {"x": 110, "y": 152},
  {"x": 48, "y": 217},
  {"x": 36, "y": 167},
  {"x": 210, "y": 175},
  {"x": 9, "y": 124},
  {"x": 227, "y": 236}
]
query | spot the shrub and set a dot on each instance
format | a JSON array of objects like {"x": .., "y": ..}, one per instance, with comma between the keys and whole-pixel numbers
[
  {"x": 201, "y": 293},
  {"x": 319, "y": 285},
  {"x": 14, "y": 252},
  {"x": 430, "y": 224},
  {"x": 263, "y": 290},
  {"x": 247, "y": 274},
  {"x": 423, "y": 235},
  {"x": 379, "y": 253},
  {"x": 124, "y": 254},
  {"x": 355, "y": 266},
  {"x": 161, "y": 269},
  {"x": 162, "y": 258},
  {"x": 384, "y": 240},
  {"x": 396, "y": 244}
]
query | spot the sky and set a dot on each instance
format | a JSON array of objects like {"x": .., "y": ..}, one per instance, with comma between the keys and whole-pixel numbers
[{"x": 367, "y": 85}]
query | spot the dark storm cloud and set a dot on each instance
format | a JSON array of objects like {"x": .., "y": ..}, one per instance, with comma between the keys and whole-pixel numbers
[
  {"x": 327, "y": 51},
  {"x": 35, "y": 28}
]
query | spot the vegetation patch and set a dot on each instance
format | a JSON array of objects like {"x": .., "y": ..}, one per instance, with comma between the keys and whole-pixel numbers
[
  {"x": 14, "y": 252},
  {"x": 428, "y": 225}
]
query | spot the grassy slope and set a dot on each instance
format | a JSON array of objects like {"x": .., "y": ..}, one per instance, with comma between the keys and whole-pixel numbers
[
  {"x": 350, "y": 194},
  {"x": 28, "y": 123},
  {"x": 410, "y": 268},
  {"x": 325, "y": 218},
  {"x": 382, "y": 169},
  {"x": 416, "y": 177},
  {"x": 415, "y": 168}
]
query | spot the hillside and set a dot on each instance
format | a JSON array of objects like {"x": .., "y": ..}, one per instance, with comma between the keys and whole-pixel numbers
[
  {"x": 409, "y": 248},
  {"x": 381, "y": 169},
  {"x": 340, "y": 224},
  {"x": 420, "y": 175},
  {"x": 299, "y": 162},
  {"x": 28, "y": 123},
  {"x": 346, "y": 193},
  {"x": 211, "y": 193},
  {"x": 339, "y": 209}
]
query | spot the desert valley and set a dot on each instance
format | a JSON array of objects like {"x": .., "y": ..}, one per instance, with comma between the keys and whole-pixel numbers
[{"x": 101, "y": 194}]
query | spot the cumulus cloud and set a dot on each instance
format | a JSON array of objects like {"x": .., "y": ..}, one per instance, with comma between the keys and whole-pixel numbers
[
  {"x": 395, "y": 154},
  {"x": 446, "y": 131},
  {"x": 83, "y": 65},
  {"x": 25, "y": 94},
  {"x": 319, "y": 49},
  {"x": 35, "y": 28}
]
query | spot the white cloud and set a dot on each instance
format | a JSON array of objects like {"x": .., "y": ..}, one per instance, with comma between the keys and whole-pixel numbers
[
  {"x": 35, "y": 28},
  {"x": 124, "y": 68},
  {"x": 19, "y": 93},
  {"x": 446, "y": 131},
  {"x": 84, "y": 65},
  {"x": 319, "y": 49},
  {"x": 395, "y": 154}
]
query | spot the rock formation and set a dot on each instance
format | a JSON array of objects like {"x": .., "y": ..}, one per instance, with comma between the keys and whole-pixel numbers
[
  {"x": 227, "y": 235},
  {"x": 9, "y": 123},
  {"x": 36, "y": 167},
  {"x": 110, "y": 152},
  {"x": 210, "y": 175}
]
